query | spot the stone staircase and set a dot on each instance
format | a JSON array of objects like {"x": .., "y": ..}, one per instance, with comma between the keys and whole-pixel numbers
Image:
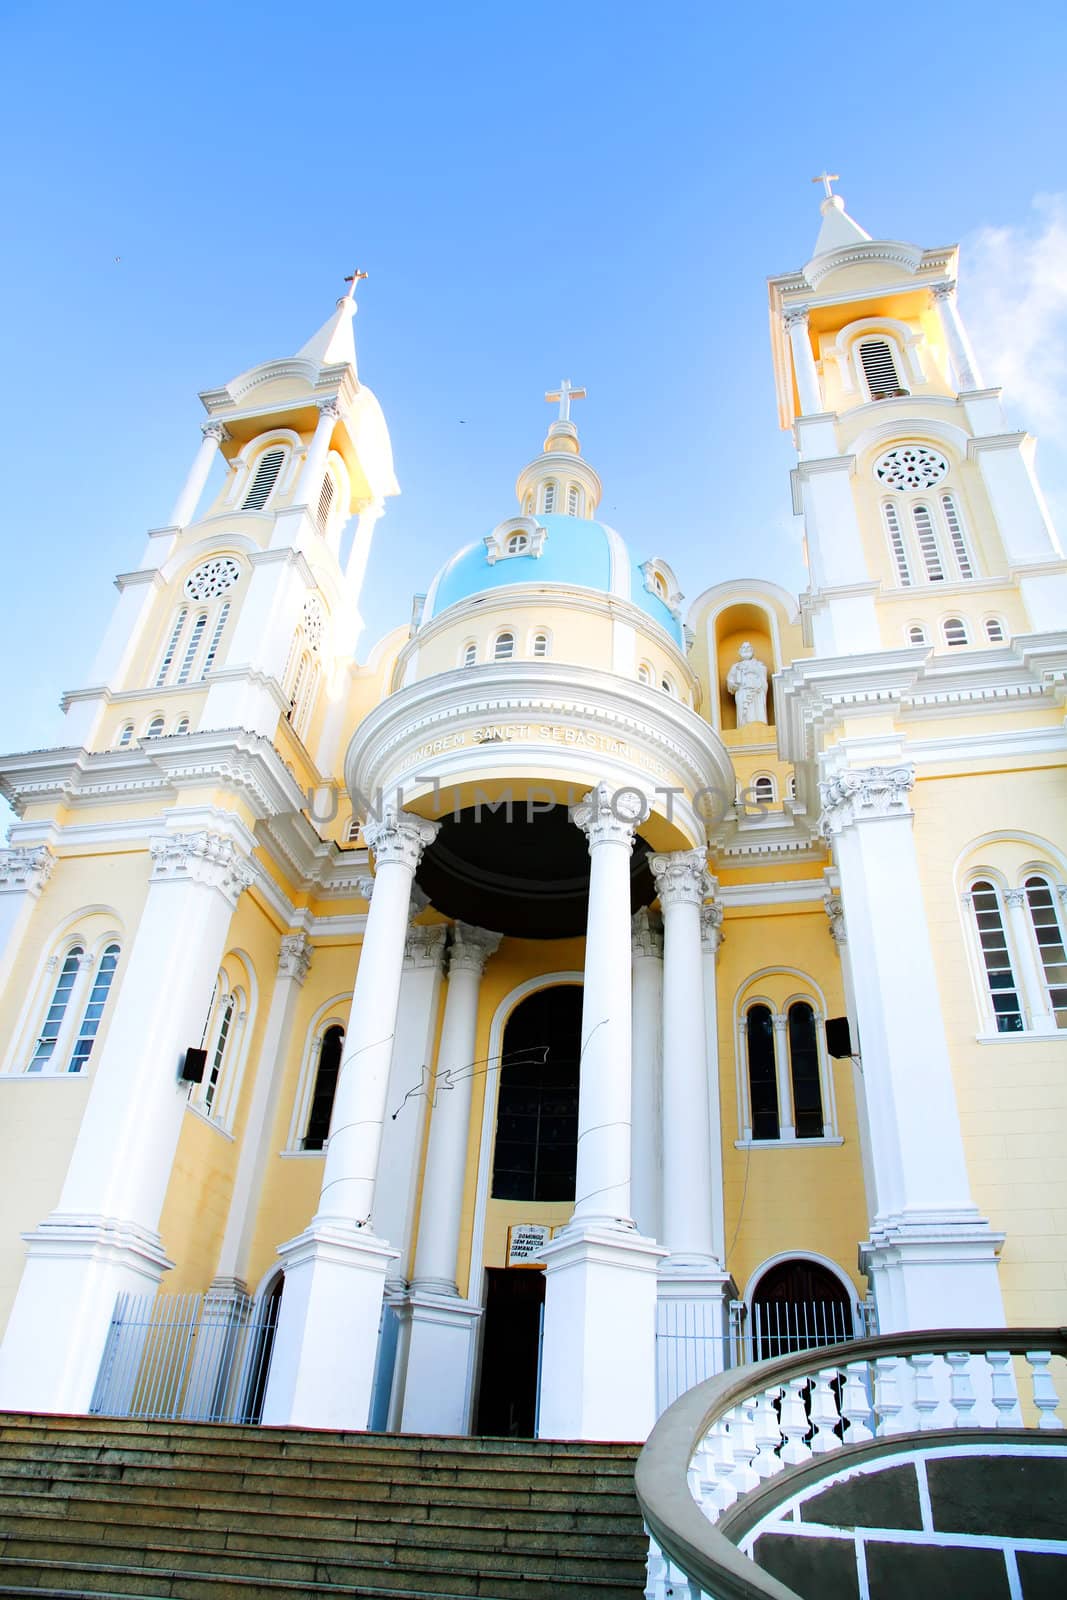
[{"x": 202, "y": 1511}]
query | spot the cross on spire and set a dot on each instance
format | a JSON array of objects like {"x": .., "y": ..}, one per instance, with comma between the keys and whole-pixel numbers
[
  {"x": 565, "y": 394},
  {"x": 352, "y": 279},
  {"x": 826, "y": 179}
]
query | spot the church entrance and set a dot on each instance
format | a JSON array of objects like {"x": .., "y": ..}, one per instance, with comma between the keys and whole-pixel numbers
[
  {"x": 799, "y": 1305},
  {"x": 511, "y": 1352}
]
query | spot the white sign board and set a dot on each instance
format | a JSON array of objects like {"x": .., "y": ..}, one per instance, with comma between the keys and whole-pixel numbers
[{"x": 526, "y": 1243}]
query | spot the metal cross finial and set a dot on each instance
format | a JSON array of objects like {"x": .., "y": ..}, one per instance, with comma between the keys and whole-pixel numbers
[
  {"x": 565, "y": 394},
  {"x": 353, "y": 278},
  {"x": 826, "y": 179}
]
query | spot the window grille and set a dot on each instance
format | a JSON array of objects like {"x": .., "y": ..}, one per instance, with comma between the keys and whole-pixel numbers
[
  {"x": 504, "y": 648},
  {"x": 996, "y": 958},
  {"x": 897, "y": 547},
  {"x": 517, "y": 544},
  {"x": 267, "y": 469},
  {"x": 955, "y": 631},
  {"x": 955, "y": 533},
  {"x": 325, "y": 502},
  {"x": 216, "y": 639},
  {"x": 212, "y": 578},
  {"x": 550, "y": 497},
  {"x": 573, "y": 500},
  {"x": 910, "y": 466},
  {"x": 94, "y": 1010},
  {"x": 192, "y": 647},
  {"x": 540, "y": 644},
  {"x": 880, "y": 370},
  {"x": 924, "y": 532},
  {"x": 172, "y": 645},
  {"x": 57, "y": 1010},
  {"x": 1050, "y": 944},
  {"x": 994, "y": 630},
  {"x": 154, "y": 729}
]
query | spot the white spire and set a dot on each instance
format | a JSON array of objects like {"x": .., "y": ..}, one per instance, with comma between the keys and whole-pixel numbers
[
  {"x": 335, "y": 342},
  {"x": 838, "y": 228}
]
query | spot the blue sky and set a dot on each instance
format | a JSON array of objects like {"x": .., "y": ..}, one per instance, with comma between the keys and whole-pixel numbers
[{"x": 597, "y": 191}]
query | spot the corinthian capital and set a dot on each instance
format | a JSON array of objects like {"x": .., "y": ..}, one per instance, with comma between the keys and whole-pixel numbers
[
  {"x": 207, "y": 858},
  {"x": 682, "y": 877},
  {"x": 610, "y": 816},
  {"x": 797, "y": 318},
  {"x": 864, "y": 794},
  {"x": 215, "y": 430},
  {"x": 711, "y": 934},
  {"x": 646, "y": 934},
  {"x": 424, "y": 947},
  {"x": 835, "y": 911},
  {"x": 25, "y": 869},
  {"x": 399, "y": 836},
  {"x": 471, "y": 948},
  {"x": 331, "y": 409},
  {"x": 294, "y": 957},
  {"x": 943, "y": 291}
]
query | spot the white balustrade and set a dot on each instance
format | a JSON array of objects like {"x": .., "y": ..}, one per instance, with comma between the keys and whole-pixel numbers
[{"x": 1045, "y": 1397}]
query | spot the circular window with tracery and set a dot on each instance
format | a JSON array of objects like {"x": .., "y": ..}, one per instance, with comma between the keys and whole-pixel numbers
[
  {"x": 212, "y": 578},
  {"x": 314, "y": 620},
  {"x": 910, "y": 466}
]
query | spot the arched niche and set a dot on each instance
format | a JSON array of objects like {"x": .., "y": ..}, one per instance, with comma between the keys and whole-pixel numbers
[{"x": 734, "y": 626}]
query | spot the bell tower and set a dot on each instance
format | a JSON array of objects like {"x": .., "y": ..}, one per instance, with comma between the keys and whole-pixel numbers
[{"x": 911, "y": 487}]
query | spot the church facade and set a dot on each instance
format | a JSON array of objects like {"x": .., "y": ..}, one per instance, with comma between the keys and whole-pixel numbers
[{"x": 571, "y": 992}]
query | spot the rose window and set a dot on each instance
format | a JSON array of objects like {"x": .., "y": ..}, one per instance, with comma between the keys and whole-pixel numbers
[
  {"x": 910, "y": 466},
  {"x": 212, "y": 578}
]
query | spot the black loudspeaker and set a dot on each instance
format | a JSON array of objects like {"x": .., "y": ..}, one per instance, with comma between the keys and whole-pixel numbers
[
  {"x": 196, "y": 1060},
  {"x": 838, "y": 1037}
]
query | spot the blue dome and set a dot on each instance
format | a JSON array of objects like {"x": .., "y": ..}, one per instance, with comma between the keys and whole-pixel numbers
[{"x": 576, "y": 554}]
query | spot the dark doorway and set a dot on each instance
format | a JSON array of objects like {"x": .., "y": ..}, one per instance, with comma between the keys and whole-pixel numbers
[
  {"x": 799, "y": 1305},
  {"x": 537, "y": 1107},
  {"x": 264, "y": 1327},
  {"x": 511, "y": 1347}
]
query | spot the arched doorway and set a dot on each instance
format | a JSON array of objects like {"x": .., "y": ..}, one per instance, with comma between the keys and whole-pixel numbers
[
  {"x": 264, "y": 1327},
  {"x": 534, "y": 1157},
  {"x": 799, "y": 1305}
]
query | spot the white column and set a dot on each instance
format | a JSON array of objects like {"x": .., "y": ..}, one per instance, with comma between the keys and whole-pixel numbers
[
  {"x": 682, "y": 883},
  {"x": 294, "y": 962},
  {"x": 931, "y": 1256},
  {"x": 1035, "y": 993},
  {"x": 796, "y": 326},
  {"x": 835, "y": 912},
  {"x": 646, "y": 943},
  {"x": 24, "y": 873},
  {"x": 185, "y": 506},
  {"x": 438, "y": 1362},
  {"x": 786, "y": 1125},
  {"x": 598, "y": 1378},
  {"x": 711, "y": 937},
  {"x": 962, "y": 356},
  {"x": 319, "y": 448},
  {"x": 102, "y": 1239},
  {"x": 322, "y": 1370}
]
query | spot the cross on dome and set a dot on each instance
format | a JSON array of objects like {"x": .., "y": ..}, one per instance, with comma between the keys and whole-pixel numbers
[
  {"x": 827, "y": 179},
  {"x": 352, "y": 279},
  {"x": 565, "y": 394}
]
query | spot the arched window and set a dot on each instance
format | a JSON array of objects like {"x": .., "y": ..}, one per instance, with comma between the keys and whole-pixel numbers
[
  {"x": 528, "y": 504},
  {"x": 897, "y": 547},
  {"x": 222, "y": 1040},
  {"x": 667, "y": 686},
  {"x": 799, "y": 1305},
  {"x": 172, "y": 646},
  {"x": 182, "y": 725},
  {"x": 955, "y": 631},
  {"x": 125, "y": 735},
  {"x": 322, "y": 514},
  {"x": 917, "y": 634},
  {"x": 574, "y": 500},
  {"x": 192, "y": 647},
  {"x": 804, "y": 1071},
  {"x": 470, "y": 654},
  {"x": 927, "y": 537},
  {"x": 540, "y": 644},
  {"x": 879, "y": 369},
  {"x": 996, "y": 958},
  {"x": 216, "y": 638},
  {"x": 762, "y": 1073},
  {"x": 352, "y": 830},
  {"x": 504, "y": 646},
  {"x": 154, "y": 729},
  {"x": 94, "y": 1009},
  {"x": 330, "y": 1050},
  {"x": 1049, "y": 935},
  {"x": 791, "y": 786},
  {"x": 537, "y": 1106},
  {"x": 954, "y": 524},
  {"x": 549, "y": 497},
  {"x": 268, "y": 468},
  {"x": 45, "y": 1046},
  {"x": 518, "y": 544},
  {"x": 644, "y": 673},
  {"x": 764, "y": 790},
  {"x": 994, "y": 630}
]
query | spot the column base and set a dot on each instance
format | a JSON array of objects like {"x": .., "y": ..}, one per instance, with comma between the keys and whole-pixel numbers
[
  {"x": 76, "y": 1267},
  {"x": 934, "y": 1269},
  {"x": 326, "y": 1345},
  {"x": 692, "y": 1325},
  {"x": 209, "y": 1393},
  {"x": 434, "y": 1384},
  {"x": 598, "y": 1364}
]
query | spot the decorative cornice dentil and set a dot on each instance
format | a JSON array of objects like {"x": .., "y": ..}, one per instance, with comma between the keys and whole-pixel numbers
[
  {"x": 865, "y": 794},
  {"x": 294, "y": 957},
  {"x": 399, "y": 837},
  {"x": 25, "y": 869},
  {"x": 711, "y": 932},
  {"x": 835, "y": 911},
  {"x": 470, "y": 948},
  {"x": 646, "y": 934},
  {"x": 424, "y": 947},
  {"x": 207, "y": 858},
  {"x": 609, "y": 817},
  {"x": 682, "y": 877}
]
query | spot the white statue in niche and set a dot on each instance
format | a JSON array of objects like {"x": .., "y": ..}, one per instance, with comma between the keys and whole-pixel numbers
[{"x": 747, "y": 682}]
